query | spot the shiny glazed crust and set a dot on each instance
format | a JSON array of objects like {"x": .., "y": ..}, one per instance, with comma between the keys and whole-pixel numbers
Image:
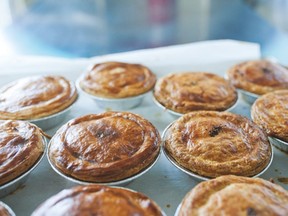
[
  {"x": 117, "y": 80},
  {"x": 271, "y": 114},
  {"x": 211, "y": 144},
  {"x": 259, "y": 76},
  {"x": 105, "y": 147},
  {"x": 192, "y": 91},
  {"x": 35, "y": 97},
  {"x": 235, "y": 196},
  {"x": 98, "y": 200},
  {"x": 21, "y": 146}
]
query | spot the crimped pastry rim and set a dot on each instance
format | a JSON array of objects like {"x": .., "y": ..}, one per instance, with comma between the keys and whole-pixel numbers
[
  {"x": 112, "y": 183},
  {"x": 25, "y": 174},
  {"x": 195, "y": 175}
]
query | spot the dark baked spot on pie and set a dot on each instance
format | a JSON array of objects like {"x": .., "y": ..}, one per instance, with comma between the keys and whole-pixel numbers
[
  {"x": 251, "y": 212},
  {"x": 215, "y": 130},
  {"x": 266, "y": 70}
]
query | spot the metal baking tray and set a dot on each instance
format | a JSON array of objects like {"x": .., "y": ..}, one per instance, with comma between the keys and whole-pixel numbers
[{"x": 163, "y": 183}]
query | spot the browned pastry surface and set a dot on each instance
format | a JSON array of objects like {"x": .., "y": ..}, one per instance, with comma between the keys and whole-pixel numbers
[
  {"x": 235, "y": 196},
  {"x": 191, "y": 91},
  {"x": 105, "y": 147},
  {"x": 259, "y": 76},
  {"x": 271, "y": 114},
  {"x": 21, "y": 146},
  {"x": 35, "y": 97},
  {"x": 3, "y": 210},
  {"x": 98, "y": 200},
  {"x": 211, "y": 144},
  {"x": 117, "y": 80}
]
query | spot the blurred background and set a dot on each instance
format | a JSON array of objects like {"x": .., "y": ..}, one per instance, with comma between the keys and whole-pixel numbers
[{"x": 85, "y": 28}]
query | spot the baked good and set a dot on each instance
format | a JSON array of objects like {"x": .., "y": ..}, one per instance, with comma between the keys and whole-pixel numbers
[
  {"x": 98, "y": 200},
  {"x": 192, "y": 91},
  {"x": 35, "y": 97},
  {"x": 117, "y": 80},
  {"x": 21, "y": 146},
  {"x": 104, "y": 147},
  {"x": 258, "y": 76},
  {"x": 235, "y": 195},
  {"x": 211, "y": 144},
  {"x": 5, "y": 210},
  {"x": 271, "y": 114}
]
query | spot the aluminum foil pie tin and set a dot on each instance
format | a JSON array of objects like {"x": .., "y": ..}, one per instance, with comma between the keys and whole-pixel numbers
[
  {"x": 177, "y": 114},
  {"x": 195, "y": 175},
  {"x": 117, "y": 104},
  {"x": 7, "y": 208},
  {"x": 122, "y": 182},
  {"x": 248, "y": 96},
  {"x": 14, "y": 184},
  {"x": 282, "y": 145},
  {"x": 178, "y": 209},
  {"x": 53, "y": 120}
]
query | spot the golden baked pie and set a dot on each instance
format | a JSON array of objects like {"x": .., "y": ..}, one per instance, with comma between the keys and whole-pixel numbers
[
  {"x": 211, "y": 144},
  {"x": 259, "y": 76},
  {"x": 192, "y": 91},
  {"x": 271, "y": 114},
  {"x": 235, "y": 196},
  {"x": 117, "y": 80},
  {"x": 35, "y": 97},
  {"x": 5, "y": 210},
  {"x": 21, "y": 146},
  {"x": 98, "y": 200},
  {"x": 104, "y": 147}
]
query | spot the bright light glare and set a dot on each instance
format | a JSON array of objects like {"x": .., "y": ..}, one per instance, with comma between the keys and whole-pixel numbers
[{"x": 6, "y": 47}]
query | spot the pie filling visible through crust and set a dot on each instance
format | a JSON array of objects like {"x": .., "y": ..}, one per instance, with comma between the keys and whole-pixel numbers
[
  {"x": 193, "y": 91},
  {"x": 104, "y": 147},
  {"x": 117, "y": 80},
  {"x": 212, "y": 144},
  {"x": 35, "y": 97}
]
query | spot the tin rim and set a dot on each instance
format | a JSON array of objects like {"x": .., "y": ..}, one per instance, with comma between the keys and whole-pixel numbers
[
  {"x": 27, "y": 172},
  {"x": 275, "y": 142},
  {"x": 112, "y": 183},
  {"x": 62, "y": 112},
  {"x": 10, "y": 211},
  {"x": 200, "y": 177},
  {"x": 181, "y": 114},
  {"x": 140, "y": 96}
]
